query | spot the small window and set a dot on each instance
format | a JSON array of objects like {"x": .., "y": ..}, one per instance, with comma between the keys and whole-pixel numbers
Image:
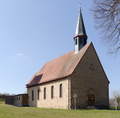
[
  {"x": 38, "y": 93},
  {"x": 19, "y": 98},
  {"x": 44, "y": 93},
  {"x": 60, "y": 90},
  {"x": 32, "y": 95},
  {"x": 80, "y": 40},
  {"x": 76, "y": 41},
  {"x": 52, "y": 92}
]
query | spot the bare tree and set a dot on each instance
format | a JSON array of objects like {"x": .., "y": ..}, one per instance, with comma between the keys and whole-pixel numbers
[
  {"x": 107, "y": 18},
  {"x": 116, "y": 96}
]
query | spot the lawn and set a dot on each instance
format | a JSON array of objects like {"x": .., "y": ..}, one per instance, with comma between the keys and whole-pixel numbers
[{"x": 9, "y": 111}]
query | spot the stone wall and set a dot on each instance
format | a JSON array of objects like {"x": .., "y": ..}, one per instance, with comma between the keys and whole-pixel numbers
[
  {"x": 89, "y": 78},
  {"x": 21, "y": 100},
  {"x": 18, "y": 100},
  {"x": 56, "y": 101}
]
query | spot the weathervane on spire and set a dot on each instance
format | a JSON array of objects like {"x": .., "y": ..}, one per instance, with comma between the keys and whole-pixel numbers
[{"x": 80, "y": 4}]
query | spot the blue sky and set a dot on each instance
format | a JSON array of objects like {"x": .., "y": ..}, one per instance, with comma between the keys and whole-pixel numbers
[{"x": 35, "y": 32}]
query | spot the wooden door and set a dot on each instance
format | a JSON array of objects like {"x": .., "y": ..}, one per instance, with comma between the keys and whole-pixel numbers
[
  {"x": 91, "y": 100},
  {"x": 24, "y": 100}
]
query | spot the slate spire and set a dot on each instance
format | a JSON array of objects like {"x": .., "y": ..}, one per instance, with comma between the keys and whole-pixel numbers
[
  {"x": 80, "y": 34},
  {"x": 80, "y": 28}
]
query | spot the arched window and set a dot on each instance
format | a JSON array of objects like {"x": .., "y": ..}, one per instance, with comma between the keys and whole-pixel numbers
[
  {"x": 44, "y": 93},
  {"x": 60, "y": 90},
  {"x": 38, "y": 93},
  {"x": 32, "y": 95},
  {"x": 52, "y": 92}
]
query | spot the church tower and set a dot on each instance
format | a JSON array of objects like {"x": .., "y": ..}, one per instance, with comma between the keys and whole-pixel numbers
[{"x": 80, "y": 37}]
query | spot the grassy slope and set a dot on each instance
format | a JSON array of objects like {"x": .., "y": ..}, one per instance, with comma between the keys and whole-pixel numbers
[{"x": 9, "y": 111}]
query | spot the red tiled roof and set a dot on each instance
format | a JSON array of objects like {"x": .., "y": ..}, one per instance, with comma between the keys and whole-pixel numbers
[{"x": 58, "y": 68}]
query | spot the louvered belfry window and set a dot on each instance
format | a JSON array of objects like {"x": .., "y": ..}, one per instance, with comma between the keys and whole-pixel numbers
[
  {"x": 76, "y": 41},
  {"x": 80, "y": 40}
]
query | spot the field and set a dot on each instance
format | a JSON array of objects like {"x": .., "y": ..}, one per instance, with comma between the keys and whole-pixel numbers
[{"x": 9, "y": 111}]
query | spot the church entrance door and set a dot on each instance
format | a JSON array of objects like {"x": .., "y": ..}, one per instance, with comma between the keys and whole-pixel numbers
[{"x": 91, "y": 100}]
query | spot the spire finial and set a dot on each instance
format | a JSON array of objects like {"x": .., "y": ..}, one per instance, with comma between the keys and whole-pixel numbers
[{"x": 80, "y": 4}]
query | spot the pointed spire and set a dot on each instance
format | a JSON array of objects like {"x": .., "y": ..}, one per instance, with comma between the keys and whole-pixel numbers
[
  {"x": 80, "y": 37},
  {"x": 80, "y": 29}
]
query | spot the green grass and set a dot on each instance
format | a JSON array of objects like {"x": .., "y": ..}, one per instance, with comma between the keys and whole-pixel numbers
[
  {"x": 9, "y": 111},
  {"x": 113, "y": 107},
  {"x": 2, "y": 99}
]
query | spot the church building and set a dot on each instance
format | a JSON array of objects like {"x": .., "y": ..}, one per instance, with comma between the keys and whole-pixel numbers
[{"x": 78, "y": 73}]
